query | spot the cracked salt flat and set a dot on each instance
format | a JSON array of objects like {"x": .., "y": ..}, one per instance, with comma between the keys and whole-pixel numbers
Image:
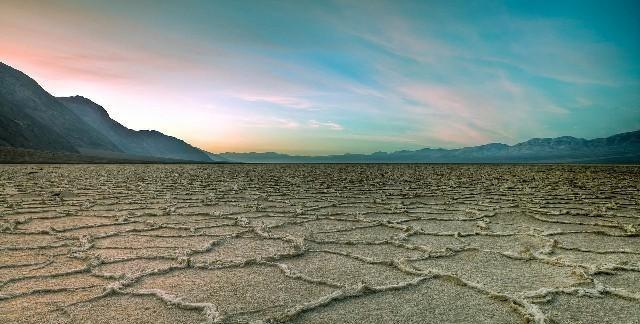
[{"x": 319, "y": 244}]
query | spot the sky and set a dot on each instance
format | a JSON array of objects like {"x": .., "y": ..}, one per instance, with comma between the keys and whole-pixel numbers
[{"x": 328, "y": 77}]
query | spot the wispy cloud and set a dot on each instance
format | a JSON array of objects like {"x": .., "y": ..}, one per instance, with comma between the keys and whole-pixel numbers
[
  {"x": 290, "y": 102},
  {"x": 328, "y": 125},
  {"x": 266, "y": 122}
]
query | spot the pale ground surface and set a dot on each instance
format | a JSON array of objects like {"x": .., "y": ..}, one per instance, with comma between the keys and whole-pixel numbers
[{"x": 319, "y": 244}]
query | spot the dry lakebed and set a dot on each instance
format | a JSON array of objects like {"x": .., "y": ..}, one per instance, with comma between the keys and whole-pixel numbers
[{"x": 399, "y": 243}]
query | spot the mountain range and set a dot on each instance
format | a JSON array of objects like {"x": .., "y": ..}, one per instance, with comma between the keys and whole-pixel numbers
[
  {"x": 31, "y": 118},
  {"x": 38, "y": 127},
  {"x": 620, "y": 148}
]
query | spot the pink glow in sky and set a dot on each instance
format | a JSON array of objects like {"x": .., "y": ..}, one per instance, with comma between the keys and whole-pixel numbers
[{"x": 336, "y": 77}]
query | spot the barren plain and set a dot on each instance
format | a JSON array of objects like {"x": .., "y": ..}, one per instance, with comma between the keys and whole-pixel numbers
[{"x": 319, "y": 244}]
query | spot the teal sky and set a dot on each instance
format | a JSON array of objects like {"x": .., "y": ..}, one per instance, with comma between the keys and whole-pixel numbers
[{"x": 319, "y": 77}]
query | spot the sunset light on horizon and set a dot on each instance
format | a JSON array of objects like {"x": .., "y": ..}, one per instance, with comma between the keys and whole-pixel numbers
[{"x": 332, "y": 77}]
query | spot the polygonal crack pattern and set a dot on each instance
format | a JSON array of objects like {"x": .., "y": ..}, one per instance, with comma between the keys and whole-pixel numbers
[{"x": 319, "y": 244}]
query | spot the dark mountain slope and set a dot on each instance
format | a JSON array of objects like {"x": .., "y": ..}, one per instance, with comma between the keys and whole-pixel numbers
[
  {"x": 32, "y": 118},
  {"x": 144, "y": 142},
  {"x": 19, "y": 129}
]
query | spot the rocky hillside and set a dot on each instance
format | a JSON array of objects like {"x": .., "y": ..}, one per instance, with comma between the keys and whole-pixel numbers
[
  {"x": 31, "y": 118},
  {"x": 144, "y": 142}
]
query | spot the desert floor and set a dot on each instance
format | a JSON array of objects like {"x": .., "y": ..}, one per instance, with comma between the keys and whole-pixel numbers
[{"x": 319, "y": 244}]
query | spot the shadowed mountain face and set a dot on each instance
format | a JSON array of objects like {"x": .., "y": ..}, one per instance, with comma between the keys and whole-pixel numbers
[
  {"x": 31, "y": 118},
  {"x": 144, "y": 142},
  {"x": 620, "y": 148}
]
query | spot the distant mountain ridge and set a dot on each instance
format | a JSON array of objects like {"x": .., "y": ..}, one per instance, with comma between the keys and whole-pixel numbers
[
  {"x": 31, "y": 118},
  {"x": 619, "y": 148}
]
